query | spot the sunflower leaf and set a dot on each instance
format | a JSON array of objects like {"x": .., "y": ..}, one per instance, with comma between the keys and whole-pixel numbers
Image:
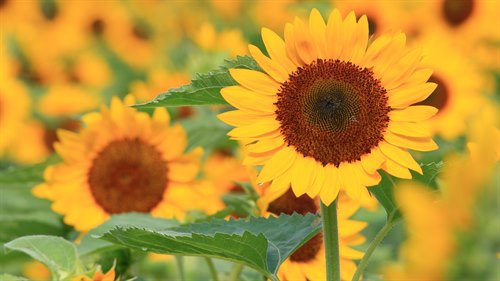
[
  {"x": 59, "y": 255},
  {"x": 384, "y": 194},
  {"x": 90, "y": 245},
  {"x": 204, "y": 89},
  {"x": 260, "y": 243}
]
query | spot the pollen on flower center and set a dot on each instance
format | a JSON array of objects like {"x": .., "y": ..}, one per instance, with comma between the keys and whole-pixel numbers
[
  {"x": 288, "y": 204},
  {"x": 128, "y": 176},
  {"x": 333, "y": 111}
]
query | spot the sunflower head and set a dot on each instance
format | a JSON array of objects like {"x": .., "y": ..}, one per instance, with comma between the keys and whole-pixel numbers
[
  {"x": 308, "y": 262},
  {"x": 330, "y": 108},
  {"x": 122, "y": 161}
]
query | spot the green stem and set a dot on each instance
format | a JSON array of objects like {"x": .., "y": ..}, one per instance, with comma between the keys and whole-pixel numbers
[
  {"x": 331, "y": 240},
  {"x": 180, "y": 267},
  {"x": 211, "y": 267},
  {"x": 373, "y": 245},
  {"x": 235, "y": 274}
]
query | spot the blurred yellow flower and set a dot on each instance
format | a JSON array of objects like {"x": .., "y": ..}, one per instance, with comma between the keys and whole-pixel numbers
[
  {"x": 434, "y": 220},
  {"x": 36, "y": 271},
  {"x": 67, "y": 100},
  {"x": 98, "y": 275},
  {"x": 458, "y": 94},
  {"x": 330, "y": 108},
  {"x": 308, "y": 262},
  {"x": 14, "y": 108},
  {"x": 159, "y": 80},
  {"x": 122, "y": 161},
  {"x": 30, "y": 145},
  {"x": 230, "y": 40}
]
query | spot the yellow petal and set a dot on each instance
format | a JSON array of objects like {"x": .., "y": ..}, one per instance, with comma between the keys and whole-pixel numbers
[
  {"x": 418, "y": 77},
  {"x": 350, "y": 180},
  {"x": 240, "y": 118},
  {"x": 348, "y": 37},
  {"x": 306, "y": 49},
  {"x": 401, "y": 98},
  {"x": 361, "y": 40},
  {"x": 278, "y": 164},
  {"x": 274, "y": 69},
  {"x": 413, "y": 113},
  {"x": 396, "y": 170},
  {"x": 185, "y": 168},
  {"x": 375, "y": 49},
  {"x": 372, "y": 161},
  {"x": 351, "y": 227},
  {"x": 303, "y": 174},
  {"x": 290, "y": 45},
  {"x": 276, "y": 49},
  {"x": 400, "y": 72},
  {"x": 256, "y": 129},
  {"x": 317, "y": 29},
  {"x": 256, "y": 81},
  {"x": 350, "y": 253},
  {"x": 161, "y": 116},
  {"x": 420, "y": 144},
  {"x": 410, "y": 129},
  {"x": 265, "y": 145},
  {"x": 334, "y": 35},
  {"x": 173, "y": 143},
  {"x": 399, "y": 156},
  {"x": 331, "y": 185},
  {"x": 319, "y": 181},
  {"x": 390, "y": 55},
  {"x": 248, "y": 100},
  {"x": 278, "y": 187}
]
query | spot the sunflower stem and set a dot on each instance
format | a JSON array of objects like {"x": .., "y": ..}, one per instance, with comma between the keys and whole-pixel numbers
[
  {"x": 371, "y": 249},
  {"x": 211, "y": 267},
  {"x": 180, "y": 267},
  {"x": 235, "y": 274},
  {"x": 331, "y": 240}
]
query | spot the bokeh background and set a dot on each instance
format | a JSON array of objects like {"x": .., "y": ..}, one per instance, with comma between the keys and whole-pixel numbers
[{"x": 62, "y": 59}]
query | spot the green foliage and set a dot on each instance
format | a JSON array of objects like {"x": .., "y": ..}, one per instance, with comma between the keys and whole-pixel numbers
[
  {"x": 204, "y": 88},
  {"x": 260, "y": 243},
  {"x": 8, "y": 277},
  {"x": 58, "y": 254},
  {"x": 90, "y": 245},
  {"x": 207, "y": 131},
  {"x": 384, "y": 193},
  {"x": 21, "y": 213}
]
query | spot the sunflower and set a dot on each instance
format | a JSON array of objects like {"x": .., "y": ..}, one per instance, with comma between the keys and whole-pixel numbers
[
  {"x": 458, "y": 94},
  {"x": 330, "y": 109},
  {"x": 308, "y": 262},
  {"x": 122, "y": 161},
  {"x": 14, "y": 106}
]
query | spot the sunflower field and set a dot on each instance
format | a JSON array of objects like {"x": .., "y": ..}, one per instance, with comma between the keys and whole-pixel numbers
[{"x": 225, "y": 140}]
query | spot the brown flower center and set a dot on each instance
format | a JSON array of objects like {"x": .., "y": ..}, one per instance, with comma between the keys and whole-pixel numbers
[
  {"x": 97, "y": 26},
  {"x": 457, "y": 12},
  {"x": 439, "y": 98},
  {"x": 332, "y": 111},
  {"x": 288, "y": 204},
  {"x": 128, "y": 176}
]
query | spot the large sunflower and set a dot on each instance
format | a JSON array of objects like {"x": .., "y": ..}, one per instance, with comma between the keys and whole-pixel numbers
[
  {"x": 122, "y": 161},
  {"x": 330, "y": 108},
  {"x": 308, "y": 262}
]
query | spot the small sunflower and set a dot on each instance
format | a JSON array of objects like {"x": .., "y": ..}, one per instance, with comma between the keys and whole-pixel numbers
[
  {"x": 122, "y": 161},
  {"x": 330, "y": 108},
  {"x": 308, "y": 262},
  {"x": 459, "y": 85}
]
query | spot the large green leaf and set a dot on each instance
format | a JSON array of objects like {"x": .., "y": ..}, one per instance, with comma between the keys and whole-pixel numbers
[
  {"x": 59, "y": 255},
  {"x": 91, "y": 245},
  {"x": 20, "y": 212},
  {"x": 384, "y": 192},
  {"x": 260, "y": 243},
  {"x": 204, "y": 88}
]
